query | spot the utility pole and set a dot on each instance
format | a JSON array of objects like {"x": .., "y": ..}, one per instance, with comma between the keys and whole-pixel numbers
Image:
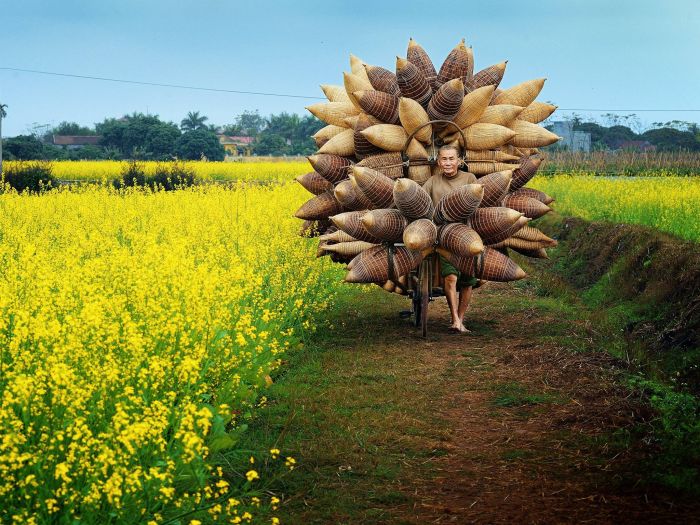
[{"x": 3, "y": 113}]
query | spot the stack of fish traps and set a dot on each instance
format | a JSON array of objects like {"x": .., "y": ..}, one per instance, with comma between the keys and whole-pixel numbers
[{"x": 380, "y": 146}]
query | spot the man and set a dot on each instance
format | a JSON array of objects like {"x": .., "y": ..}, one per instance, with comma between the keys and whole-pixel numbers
[{"x": 437, "y": 186}]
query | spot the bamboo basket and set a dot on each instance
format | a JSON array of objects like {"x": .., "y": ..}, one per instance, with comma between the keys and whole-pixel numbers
[
  {"x": 314, "y": 183},
  {"x": 446, "y": 101},
  {"x": 490, "y": 156},
  {"x": 350, "y": 199},
  {"x": 363, "y": 147},
  {"x": 354, "y": 83},
  {"x": 522, "y": 94},
  {"x": 319, "y": 207},
  {"x": 485, "y": 168},
  {"x": 529, "y": 135},
  {"x": 534, "y": 254},
  {"x": 374, "y": 267},
  {"x": 490, "y": 76},
  {"x": 493, "y": 224},
  {"x": 333, "y": 168},
  {"x": 335, "y": 93},
  {"x": 458, "y": 64},
  {"x": 460, "y": 239},
  {"x": 528, "y": 233},
  {"x": 417, "y": 56},
  {"x": 343, "y": 144},
  {"x": 531, "y": 208},
  {"x": 412, "y": 200},
  {"x": 473, "y": 106},
  {"x": 495, "y": 187},
  {"x": 419, "y": 174},
  {"x": 420, "y": 234},
  {"x": 333, "y": 112},
  {"x": 377, "y": 187},
  {"x": 485, "y": 136},
  {"x": 380, "y": 105},
  {"x": 537, "y": 112},
  {"x": 522, "y": 244},
  {"x": 412, "y": 82},
  {"x": 501, "y": 114},
  {"x": 535, "y": 194},
  {"x": 326, "y": 133},
  {"x": 490, "y": 266},
  {"x": 527, "y": 170},
  {"x": 349, "y": 249},
  {"x": 460, "y": 204},
  {"x": 387, "y": 163},
  {"x": 358, "y": 67},
  {"x": 350, "y": 223},
  {"x": 389, "y": 137},
  {"x": 383, "y": 80},
  {"x": 385, "y": 224},
  {"x": 414, "y": 117},
  {"x": 337, "y": 236}
]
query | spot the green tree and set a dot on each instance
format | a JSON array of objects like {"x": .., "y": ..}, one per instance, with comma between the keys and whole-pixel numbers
[
  {"x": 139, "y": 135},
  {"x": 270, "y": 144},
  {"x": 72, "y": 128},
  {"x": 247, "y": 124},
  {"x": 193, "y": 121},
  {"x": 670, "y": 139},
  {"x": 193, "y": 145},
  {"x": 24, "y": 147}
]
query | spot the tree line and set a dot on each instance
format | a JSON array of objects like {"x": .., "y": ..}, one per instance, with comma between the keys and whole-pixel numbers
[
  {"x": 147, "y": 137},
  {"x": 674, "y": 135}
]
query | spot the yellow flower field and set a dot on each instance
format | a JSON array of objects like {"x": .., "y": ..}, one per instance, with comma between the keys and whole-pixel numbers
[
  {"x": 99, "y": 170},
  {"x": 669, "y": 204},
  {"x": 136, "y": 328}
]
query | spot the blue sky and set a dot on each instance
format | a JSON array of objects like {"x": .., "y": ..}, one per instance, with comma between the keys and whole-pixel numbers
[{"x": 609, "y": 54}]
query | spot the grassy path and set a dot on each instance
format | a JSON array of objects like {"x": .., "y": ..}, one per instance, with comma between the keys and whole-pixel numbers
[{"x": 518, "y": 423}]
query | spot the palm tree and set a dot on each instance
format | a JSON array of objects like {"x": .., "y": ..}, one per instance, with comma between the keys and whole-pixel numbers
[
  {"x": 193, "y": 121},
  {"x": 3, "y": 114}
]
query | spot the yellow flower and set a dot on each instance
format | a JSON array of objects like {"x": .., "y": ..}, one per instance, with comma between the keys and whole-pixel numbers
[{"x": 252, "y": 475}]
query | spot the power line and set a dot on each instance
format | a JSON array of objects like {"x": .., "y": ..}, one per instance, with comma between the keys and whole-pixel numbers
[
  {"x": 158, "y": 84},
  {"x": 220, "y": 90}
]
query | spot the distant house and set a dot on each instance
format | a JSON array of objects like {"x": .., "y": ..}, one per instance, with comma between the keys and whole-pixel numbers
[
  {"x": 76, "y": 141},
  {"x": 572, "y": 140},
  {"x": 236, "y": 146},
  {"x": 637, "y": 145}
]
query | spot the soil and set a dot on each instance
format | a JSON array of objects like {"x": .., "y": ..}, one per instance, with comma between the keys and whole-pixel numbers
[{"x": 522, "y": 421}]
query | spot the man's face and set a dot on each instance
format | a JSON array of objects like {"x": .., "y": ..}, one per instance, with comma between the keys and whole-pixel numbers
[{"x": 448, "y": 162}]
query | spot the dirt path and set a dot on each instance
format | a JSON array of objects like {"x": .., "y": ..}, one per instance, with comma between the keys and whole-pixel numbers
[{"x": 518, "y": 423}]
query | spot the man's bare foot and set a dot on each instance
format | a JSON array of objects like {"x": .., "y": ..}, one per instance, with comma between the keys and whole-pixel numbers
[{"x": 460, "y": 328}]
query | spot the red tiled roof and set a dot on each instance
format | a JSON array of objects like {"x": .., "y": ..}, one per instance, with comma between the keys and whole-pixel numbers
[{"x": 76, "y": 140}]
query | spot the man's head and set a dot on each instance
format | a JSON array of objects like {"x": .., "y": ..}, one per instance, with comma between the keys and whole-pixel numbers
[{"x": 448, "y": 160}]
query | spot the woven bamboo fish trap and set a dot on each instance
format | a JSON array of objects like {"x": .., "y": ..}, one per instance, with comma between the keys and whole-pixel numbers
[
  {"x": 482, "y": 168},
  {"x": 380, "y": 105},
  {"x": 420, "y": 234},
  {"x": 446, "y": 102},
  {"x": 350, "y": 223},
  {"x": 386, "y": 224},
  {"x": 495, "y": 187},
  {"x": 522, "y": 175},
  {"x": 491, "y": 265},
  {"x": 460, "y": 204},
  {"x": 314, "y": 183},
  {"x": 376, "y": 186},
  {"x": 501, "y": 114},
  {"x": 412, "y": 82},
  {"x": 531, "y": 208},
  {"x": 320, "y": 207},
  {"x": 529, "y": 135},
  {"x": 537, "y": 112},
  {"x": 336, "y": 236},
  {"x": 490, "y": 76},
  {"x": 363, "y": 147},
  {"x": 418, "y": 57},
  {"x": 383, "y": 132},
  {"x": 535, "y": 194},
  {"x": 333, "y": 168},
  {"x": 412, "y": 200},
  {"x": 460, "y": 239},
  {"x": 342, "y": 144},
  {"x": 492, "y": 224},
  {"x": 349, "y": 249},
  {"x": 383, "y": 80},
  {"x": 349, "y": 198}
]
